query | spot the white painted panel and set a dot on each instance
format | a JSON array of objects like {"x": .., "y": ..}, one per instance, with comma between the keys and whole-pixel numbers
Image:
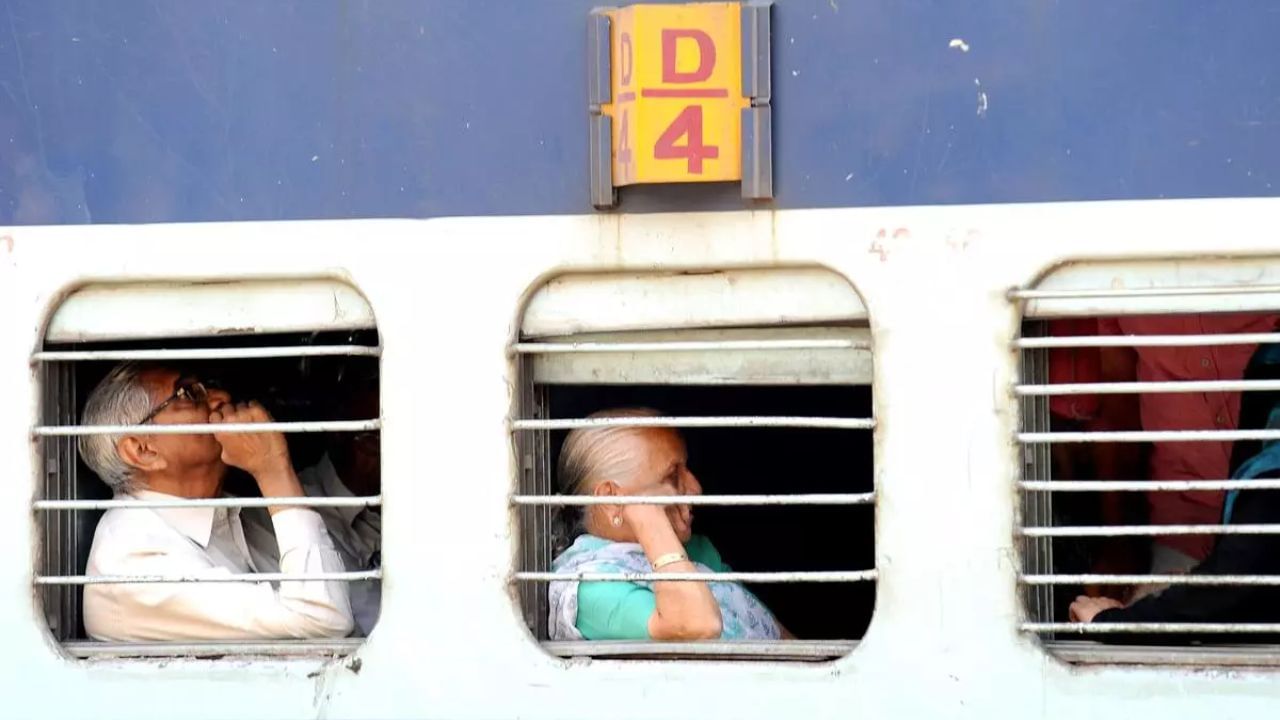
[
  {"x": 711, "y": 367},
  {"x": 451, "y": 642},
  {"x": 648, "y": 301},
  {"x": 191, "y": 309},
  {"x": 1145, "y": 275}
]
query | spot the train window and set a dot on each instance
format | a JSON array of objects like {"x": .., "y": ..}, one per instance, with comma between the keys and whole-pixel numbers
[
  {"x": 1150, "y": 406},
  {"x": 308, "y": 352},
  {"x": 766, "y": 377}
]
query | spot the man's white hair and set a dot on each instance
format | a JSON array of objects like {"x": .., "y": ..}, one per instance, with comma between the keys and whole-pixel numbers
[{"x": 120, "y": 399}]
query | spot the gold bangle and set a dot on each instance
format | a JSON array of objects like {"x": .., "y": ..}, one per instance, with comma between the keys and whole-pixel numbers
[{"x": 669, "y": 559}]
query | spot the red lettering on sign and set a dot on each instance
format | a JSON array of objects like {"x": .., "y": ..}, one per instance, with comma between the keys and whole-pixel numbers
[
  {"x": 688, "y": 125},
  {"x": 625, "y": 43},
  {"x": 706, "y": 55},
  {"x": 624, "y": 147},
  {"x": 685, "y": 92}
]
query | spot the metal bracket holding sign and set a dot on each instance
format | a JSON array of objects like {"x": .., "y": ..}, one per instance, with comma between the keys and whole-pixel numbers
[{"x": 679, "y": 94}]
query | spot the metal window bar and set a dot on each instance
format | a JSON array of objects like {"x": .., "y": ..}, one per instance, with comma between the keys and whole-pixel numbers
[
  {"x": 1151, "y": 627},
  {"x": 351, "y": 576},
  {"x": 209, "y": 428},
  {"x": 227, "y": 502},
  {"x": 1147, "y": 530},
  {"x": 1139, "y": 436},
  {"x": 1032, "y": 294},
  {"x": 1147, "y": 485},
  {"x": 1137, "y": 388},
  {"x": 230, "y": 353},
  {"x": 709, "y": 500},
  {"x": 1097, "y": 579},
  {"x": 806, "y": 576},
  {"x": 535, "y": 348},
  {"x": 835, "y": 423},
  {"x": 1079, "y": 341}
]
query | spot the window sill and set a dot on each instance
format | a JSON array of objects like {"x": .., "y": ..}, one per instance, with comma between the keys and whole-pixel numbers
[
  {"x": 810, "y": 650},
  {"x": 1079, "y": 652},
  {"x": 279, "y": 648}
]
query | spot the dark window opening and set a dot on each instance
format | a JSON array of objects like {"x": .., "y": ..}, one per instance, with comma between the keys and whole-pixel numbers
[{"x": 767, "y": 461}]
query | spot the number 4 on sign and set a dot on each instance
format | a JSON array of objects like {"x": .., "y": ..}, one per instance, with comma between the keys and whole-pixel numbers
[
  {"x": 624, "y": 147},
  {"x": 687, "y": 125}
]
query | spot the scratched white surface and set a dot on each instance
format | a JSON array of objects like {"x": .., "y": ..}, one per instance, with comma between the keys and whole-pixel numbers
[{"x": 447, "y": 296}]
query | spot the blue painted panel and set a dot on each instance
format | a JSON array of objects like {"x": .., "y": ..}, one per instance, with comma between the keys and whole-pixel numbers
[{"x": 135, "y": 111}]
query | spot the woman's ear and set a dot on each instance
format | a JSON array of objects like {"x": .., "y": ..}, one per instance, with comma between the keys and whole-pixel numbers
[
  {"x": 141, "y": 454},
  {"x": 606, "y": 513}
]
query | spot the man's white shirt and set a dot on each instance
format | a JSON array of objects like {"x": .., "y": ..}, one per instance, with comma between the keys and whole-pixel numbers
[{"x": 209, "y": 543}]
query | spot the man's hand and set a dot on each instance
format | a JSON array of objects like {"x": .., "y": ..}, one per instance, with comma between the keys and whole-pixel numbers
[
  {"x": 1085, "y": 608},
  {"x": 255, "y": 453},
  {"x": 1118, "y": 556}
]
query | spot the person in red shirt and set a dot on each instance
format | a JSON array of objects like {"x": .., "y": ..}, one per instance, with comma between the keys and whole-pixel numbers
[{"x": 1170, "y": 554}]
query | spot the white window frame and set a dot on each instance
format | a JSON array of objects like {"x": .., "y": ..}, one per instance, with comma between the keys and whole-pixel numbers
[
  {"x": 735, "y": 327},
  {"x": 1125, "y": 288},
  {"x": 104, "y": 313}
]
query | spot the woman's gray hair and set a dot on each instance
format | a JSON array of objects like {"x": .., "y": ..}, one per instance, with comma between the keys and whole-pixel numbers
[
  {"x": 590, "y": 455},
  {"x": 120, "y": 399}
]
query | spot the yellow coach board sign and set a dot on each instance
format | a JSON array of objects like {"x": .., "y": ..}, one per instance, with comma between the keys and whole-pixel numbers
[
  {"x": 677, "y": 93},
  {"x": 675, "y": 102}
]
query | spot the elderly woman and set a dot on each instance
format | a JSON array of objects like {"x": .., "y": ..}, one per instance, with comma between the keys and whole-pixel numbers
[{"x": 622, "y": 461}]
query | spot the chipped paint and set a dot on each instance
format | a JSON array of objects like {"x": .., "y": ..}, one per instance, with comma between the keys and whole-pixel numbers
[{"x": 959, "y": 44}]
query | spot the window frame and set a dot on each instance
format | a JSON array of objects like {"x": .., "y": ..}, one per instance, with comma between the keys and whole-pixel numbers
[
  {"x": 647, "y": 337},
  {"x": 57, "y": 579},
  {"x": 1150, "y": 286}
]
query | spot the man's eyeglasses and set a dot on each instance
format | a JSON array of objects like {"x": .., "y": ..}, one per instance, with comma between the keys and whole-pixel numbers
[{"x": 188, "y": 389}]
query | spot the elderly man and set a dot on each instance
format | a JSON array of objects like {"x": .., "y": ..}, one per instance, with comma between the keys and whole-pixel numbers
[{"x": 198, "y": 542}]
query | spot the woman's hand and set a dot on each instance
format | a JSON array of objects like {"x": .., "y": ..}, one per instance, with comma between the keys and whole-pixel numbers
[
  {"x": 685, "y": 610},
  {"x": 1086, "y": 608},
  {"x": 679, "y": 518}
]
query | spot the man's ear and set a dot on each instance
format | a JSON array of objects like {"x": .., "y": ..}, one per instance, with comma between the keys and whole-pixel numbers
[{"x": 138, "y": 453}]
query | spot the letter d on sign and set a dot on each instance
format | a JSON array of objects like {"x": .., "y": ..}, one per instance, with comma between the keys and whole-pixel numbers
[{"x": 706, "y": 56}]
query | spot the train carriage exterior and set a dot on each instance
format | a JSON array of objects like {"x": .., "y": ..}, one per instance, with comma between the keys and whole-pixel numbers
[{"x": 411, "y": 181}]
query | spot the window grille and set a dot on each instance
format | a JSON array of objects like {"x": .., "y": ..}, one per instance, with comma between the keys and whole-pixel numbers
[
  {"x": 1054, "y": 532},
  {"x": 78, "y": 350},
  {"x": 610, "y": 362}
]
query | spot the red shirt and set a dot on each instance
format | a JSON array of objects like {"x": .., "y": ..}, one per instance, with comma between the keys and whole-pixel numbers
[{"x": 1179, "y": 411}]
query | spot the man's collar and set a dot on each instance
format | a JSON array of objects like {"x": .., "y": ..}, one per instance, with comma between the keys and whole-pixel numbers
[{"x": 193, "y": 522}]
